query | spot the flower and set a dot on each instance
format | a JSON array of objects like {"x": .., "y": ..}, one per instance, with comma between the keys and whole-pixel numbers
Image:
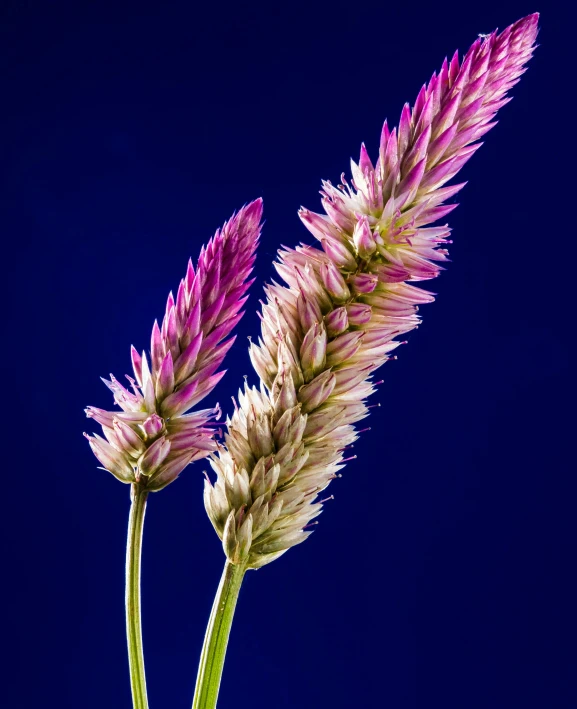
[
  {"x": 152, "y": 440},
  {"x": 325, "y": 333}
]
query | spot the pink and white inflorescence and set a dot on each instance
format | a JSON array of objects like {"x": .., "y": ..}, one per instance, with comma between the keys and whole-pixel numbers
[
  {"x": 152, "y": 439},
  {"x": 338, "y": 317}
]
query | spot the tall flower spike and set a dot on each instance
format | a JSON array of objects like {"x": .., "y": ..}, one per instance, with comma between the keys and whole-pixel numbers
[
  {"x": 151, "y": 440},
  {"x": 336, "y": 321}
]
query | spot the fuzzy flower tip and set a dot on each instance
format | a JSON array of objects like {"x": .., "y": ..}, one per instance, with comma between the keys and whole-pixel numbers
[
  {"x": 337, "y": 320},
  {"x": 152, "y": 440}
]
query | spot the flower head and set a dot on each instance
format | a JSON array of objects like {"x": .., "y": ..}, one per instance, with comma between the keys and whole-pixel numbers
[
  {"x": 337, "y": 320},
  {"x": 152, "y": 439}
]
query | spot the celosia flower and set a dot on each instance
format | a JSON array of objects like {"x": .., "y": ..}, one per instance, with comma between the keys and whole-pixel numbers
[
  {"x": 326, "y": 332},
  {"x": 152, "y": 440}
]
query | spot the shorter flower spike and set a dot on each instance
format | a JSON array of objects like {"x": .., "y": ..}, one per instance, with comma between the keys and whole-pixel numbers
[
  {"x": 335, "y": 322},
  {"x": 153, "y": 438}
]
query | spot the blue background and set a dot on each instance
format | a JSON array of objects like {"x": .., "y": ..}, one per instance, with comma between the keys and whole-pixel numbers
[{"x": 443, "y": 573}]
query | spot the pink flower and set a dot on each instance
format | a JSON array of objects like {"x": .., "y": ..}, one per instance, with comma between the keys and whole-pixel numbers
[
  {"x": 151, "y": 439},
  {"x": 336, "y": 321}
]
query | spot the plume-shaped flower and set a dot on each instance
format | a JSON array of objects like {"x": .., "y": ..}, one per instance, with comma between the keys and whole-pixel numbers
[
  {"x": 152, "y": 440},
  {"x": 336, "y": 321}
]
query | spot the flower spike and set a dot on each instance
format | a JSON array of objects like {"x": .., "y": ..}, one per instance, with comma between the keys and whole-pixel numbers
[
  {"x": 336, "y": 320},
  {"x": 153, "y": 439}
]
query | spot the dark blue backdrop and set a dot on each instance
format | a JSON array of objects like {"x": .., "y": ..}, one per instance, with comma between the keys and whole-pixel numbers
[{"x": 442, "y": 574}]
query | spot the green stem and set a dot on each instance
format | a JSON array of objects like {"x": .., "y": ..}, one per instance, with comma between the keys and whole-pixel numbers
[
  {"x": 133, "y": 624},
  {"x": 216, "y": 638}
]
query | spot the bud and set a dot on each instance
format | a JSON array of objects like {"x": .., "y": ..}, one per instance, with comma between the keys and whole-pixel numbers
[
  {"x": 168, "y": 471},
  {"x": 239, "y": 448},
  {"x": 309, "y": 311},
  {"x": 363, "y": 238},
  {"x": 259, "y": 434},
  {"x": 216, "y": 504},
  {"x": 263, "y": 364},
  {"x": 313, "y": 351},
  {"x": 136, "y": 364},
  {"x": 333, "y": 282},
  {"x": 264, "y": 516},
  {"x": 363, "y": 282},
  {"x": 322, "y": 421},
  {"x": 288, "y": 362},
  {"x": 347, "y": 378},
  {"x": 151, "y": 460},
  {"x": 147, "y": 386},
  {"x": 238, "y": 491},
  {"x": 165, "y": 378},
  {"x": 319, "y": 225},
  {"x": 244, "y": 538},
  {"x": 229, "y": 541},
  {"x": 290, "y": 460},
  {"x": 152, "y": 426},
  {"x": 182, "y": 400},
  {"x": 130, "y": 441},
  {"x": 112, "y": 460},
  {"x": 271, "y": 481},
  {"x": 358, "y": 314},
  {"x": 339, "y": 254},
  {"x": 336, "y": 322},
  {"x": 187, "y": 361},
  {"x": 338, "y": 212},
  {"x": 104, "y": 418},
  {"x": 263, "y": 481},
  {"x": 290, "y": 427},
  {"x": 316, "y": 392},
  {"x": 343, "y": 347},
  {"x": 292, "y": 468},
  {"x": 287, "y": 397}
]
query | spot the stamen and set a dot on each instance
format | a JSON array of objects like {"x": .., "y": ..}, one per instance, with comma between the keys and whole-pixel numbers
[
  {"x": 326, "y": 499},
  {"x": 310, "y": 524}
]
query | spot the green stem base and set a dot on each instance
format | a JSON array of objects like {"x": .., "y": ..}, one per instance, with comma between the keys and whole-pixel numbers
[
  {"x": 216, "y": 638},
  {"x": 133, "y": 624}
]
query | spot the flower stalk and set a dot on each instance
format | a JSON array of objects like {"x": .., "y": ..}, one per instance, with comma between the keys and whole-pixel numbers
[
  {"x": 133, "y": 623},
  {"x": 337, "y": 319},
  {"x": 216, "y": 638},
  {"x": 152, "y": 438}
]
